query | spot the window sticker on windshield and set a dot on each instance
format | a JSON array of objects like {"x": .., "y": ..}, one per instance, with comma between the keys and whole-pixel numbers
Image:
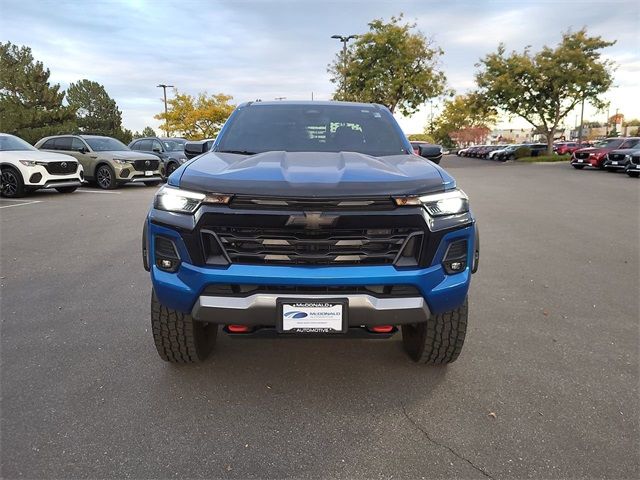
[{"x": 377, "y": 115}]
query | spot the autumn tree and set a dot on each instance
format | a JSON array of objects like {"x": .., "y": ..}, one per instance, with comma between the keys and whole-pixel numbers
[
  {"x": 392, "y": 64},
  {"x": 542, "y": 88},
  {"x": 464, "y": 119},
  {"x": 30, "y": 107},
  {"x": 196, "y": 117}
]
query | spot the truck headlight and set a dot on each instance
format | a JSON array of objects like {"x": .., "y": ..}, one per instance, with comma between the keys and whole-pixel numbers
[
  {"x": 174, "y": 199},
  {"x": 452, "y": 202}
]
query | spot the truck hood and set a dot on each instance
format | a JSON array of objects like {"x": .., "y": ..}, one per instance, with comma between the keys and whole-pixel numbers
[{"x": 312, "y": 174}]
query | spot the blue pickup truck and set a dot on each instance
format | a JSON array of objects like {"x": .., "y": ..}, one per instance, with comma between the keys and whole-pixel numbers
[{"x": 310, "y": 219}]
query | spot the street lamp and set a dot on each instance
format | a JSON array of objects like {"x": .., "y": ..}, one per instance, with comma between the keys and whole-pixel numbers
[
  {"x": 344, "y": 39},
  {"x": 166, "y": 120}
]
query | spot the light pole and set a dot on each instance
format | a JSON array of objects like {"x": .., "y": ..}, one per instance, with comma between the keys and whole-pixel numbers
[
  {"x": 166, "y": 120},
  {"x": 344, "y": 39}
]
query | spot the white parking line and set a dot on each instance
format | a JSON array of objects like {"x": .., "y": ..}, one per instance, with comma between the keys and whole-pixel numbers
[
  {"x": 21, "y": 204},
  {"x": 97, "y": 191}
]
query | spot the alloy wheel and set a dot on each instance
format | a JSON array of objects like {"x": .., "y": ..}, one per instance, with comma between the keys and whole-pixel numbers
[
  {"x": 104, "y": 177},
  {"x": 9, "y": 183}
]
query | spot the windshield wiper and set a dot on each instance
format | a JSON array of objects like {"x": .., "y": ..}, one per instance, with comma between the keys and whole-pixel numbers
[{"x": 239, "y": 152}]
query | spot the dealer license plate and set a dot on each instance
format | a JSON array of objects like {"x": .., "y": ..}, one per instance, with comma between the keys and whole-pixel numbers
[
  {"x": 614, "y": 163},
  {"x": 312, "y": 316},
  {"x": 148, "y": 173},
  {"x": 580, "y": 161}
]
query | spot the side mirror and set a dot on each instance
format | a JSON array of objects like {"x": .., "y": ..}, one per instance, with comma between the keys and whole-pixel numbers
[
  {"x": 431, "y": 152},
  {"x": 156, "y": 150},
  {"x": 83, "y": 150},
  {"x": 193, "y": 149}
]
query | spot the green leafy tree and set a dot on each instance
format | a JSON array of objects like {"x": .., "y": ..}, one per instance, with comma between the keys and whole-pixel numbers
[
  {"x": 391, "y": 64},
  {"x": 148, "y": 132},
  {"x": 196, "y": 117},
  {"x": 543, "y": 88},
  {"x": 464, "y": 119},
  {"x": 30, "y": 107},
  {"x": 96, "y": 112}
]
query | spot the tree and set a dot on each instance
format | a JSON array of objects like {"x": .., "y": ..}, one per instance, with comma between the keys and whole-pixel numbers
[
  {"x": 392, "y": 65},
  {"x": 543, "y": 88},
  {"x": 464, "y": 119},
  {"x": 30, "y": 107},
  {"x": 96, "y": 112},
  {"x": 196, "y": 117},
  {"x": 148, "y": 132}
]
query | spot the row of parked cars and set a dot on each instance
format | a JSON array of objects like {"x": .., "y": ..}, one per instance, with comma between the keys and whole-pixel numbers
[
  {"x": 65, "y": 162},
  {"x": 612, "y": 154},
  {"x": 504, "y": 152}
]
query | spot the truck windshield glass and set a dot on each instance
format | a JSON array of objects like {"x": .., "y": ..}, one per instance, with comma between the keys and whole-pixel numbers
[
  {"x": 105, "y": 144},
  {"x": 13, "y": 144},
  {"x": 310, "y": 128}
]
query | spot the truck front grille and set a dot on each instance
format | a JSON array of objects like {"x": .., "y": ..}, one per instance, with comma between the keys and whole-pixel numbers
[
  {"x": 616, "y": 156},
  {"x": 304, "y": 246},
  {"x": 61, "y": 168},
  {"x": 312, "y": 204},
  {"x": 142, "y": 165},
  {"x": 635, "y": 159}
]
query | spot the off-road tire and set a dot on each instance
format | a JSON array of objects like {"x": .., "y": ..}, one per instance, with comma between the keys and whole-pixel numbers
[
  {"x": 439, "y": 340},
  {"x": 66, "y": 189},
  {"x": 178, "y": 337}
]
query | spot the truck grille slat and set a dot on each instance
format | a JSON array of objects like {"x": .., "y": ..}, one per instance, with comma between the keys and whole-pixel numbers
[
  {"x": 299, "y": 246},
  {"x": 311, "y": 204}
]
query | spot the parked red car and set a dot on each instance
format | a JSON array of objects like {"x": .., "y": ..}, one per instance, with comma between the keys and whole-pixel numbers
[
  {"x": 596, "y": 155},
  {"x": 568, "y": 147}
]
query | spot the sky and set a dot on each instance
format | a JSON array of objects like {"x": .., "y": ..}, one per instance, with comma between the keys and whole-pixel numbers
[{"x": 281, "y": 48}]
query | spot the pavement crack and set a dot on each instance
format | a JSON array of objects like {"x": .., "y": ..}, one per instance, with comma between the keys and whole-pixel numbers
[{"x": 442, "y": 445}]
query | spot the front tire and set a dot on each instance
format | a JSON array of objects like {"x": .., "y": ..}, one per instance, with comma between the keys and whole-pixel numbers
[
  {"x": 633, "y": 174},
  {"x": 66, "y": 189},
  {"x": 178, "y": 337},
  {"x": 439, "y": 340},
  {"x": 12, "y": 183},
  {"x": 106, "y": 177},
  {"x": 578, "y": 167},
  {"x": 172, "y": 167}
]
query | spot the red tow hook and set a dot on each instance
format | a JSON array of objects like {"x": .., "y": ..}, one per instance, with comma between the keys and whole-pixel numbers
[
  {"x": 382, "y": 329},
  {"x": 238, "y": 329}
]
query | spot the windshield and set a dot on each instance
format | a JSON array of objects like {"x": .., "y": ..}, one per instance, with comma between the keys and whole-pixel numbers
[
  {"x": 312, "y": 128},
  {"x": 173, "y": 146},
  {"x": 610, "y": 143},
  {"x": 9, "y": 143},
  {"x": 105, "y": 144}
]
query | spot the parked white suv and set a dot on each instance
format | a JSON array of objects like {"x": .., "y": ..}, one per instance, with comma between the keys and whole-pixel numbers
[{"x": 24, "y": 168}]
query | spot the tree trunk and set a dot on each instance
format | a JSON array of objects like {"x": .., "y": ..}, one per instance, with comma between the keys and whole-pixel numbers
[{"x": 550, "y": 135}]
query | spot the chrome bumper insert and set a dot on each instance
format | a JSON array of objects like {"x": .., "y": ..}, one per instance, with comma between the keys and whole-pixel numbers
[{"x": 260, "y": 309}]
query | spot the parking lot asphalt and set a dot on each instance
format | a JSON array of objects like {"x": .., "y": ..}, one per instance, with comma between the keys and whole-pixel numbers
[{"x": 546, "y": 386}]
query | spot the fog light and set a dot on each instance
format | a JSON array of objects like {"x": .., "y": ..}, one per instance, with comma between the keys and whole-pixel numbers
[
  {"x": 455, "y": 260},
  {"x": 456, "y": 266},
  {"x": 166, "y": 264}
]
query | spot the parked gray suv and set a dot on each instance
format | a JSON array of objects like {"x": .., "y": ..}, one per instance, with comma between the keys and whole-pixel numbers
[
  {"x": 169, "y": 150},
  {"x": 107, "y": 162}
]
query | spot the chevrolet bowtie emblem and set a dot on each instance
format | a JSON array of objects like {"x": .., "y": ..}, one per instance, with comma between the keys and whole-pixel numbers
[{"x": 312, "y": 220}]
